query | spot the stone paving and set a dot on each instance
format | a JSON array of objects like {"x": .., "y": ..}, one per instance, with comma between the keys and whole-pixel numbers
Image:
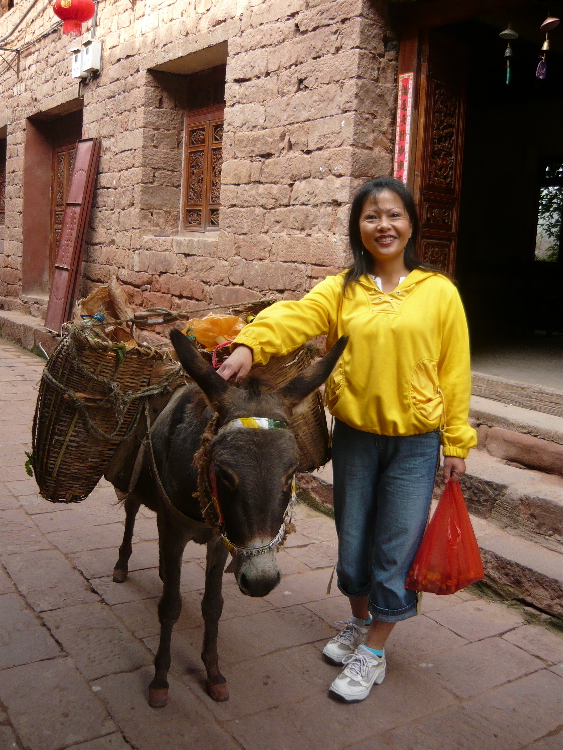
[{"x": 76, "y": 648}]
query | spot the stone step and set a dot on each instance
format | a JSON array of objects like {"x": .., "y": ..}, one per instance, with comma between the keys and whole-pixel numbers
[
  {"x": 526, "y": 395},
  {"x": 27, "y": 331},
  {"x": 526, "y": 503},
  {"x": 521, "y": 569},
  {"x": 529, "y": 503},
  {"x": 546, "y": 427},
  {"x": 518, "y": 519},
  {"x": 524, "y": 437}
]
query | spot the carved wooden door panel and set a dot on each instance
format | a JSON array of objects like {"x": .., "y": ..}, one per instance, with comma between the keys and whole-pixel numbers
[
  {"x": 76, "y": 215},
  {"x": 63, "y": 160},
  {"x": 440, "y": 149}
]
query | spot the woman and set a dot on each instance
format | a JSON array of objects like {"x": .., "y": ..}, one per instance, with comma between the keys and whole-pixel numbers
[{"x": 401, "y": 386}]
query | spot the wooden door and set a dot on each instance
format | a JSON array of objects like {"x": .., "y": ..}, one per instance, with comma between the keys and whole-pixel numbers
[
  {"x": 440, "y": 148},
  {"x": 431, "y": 117},
  {"x": 63, "y": 160},
  {"x": 76, "y": 215}
]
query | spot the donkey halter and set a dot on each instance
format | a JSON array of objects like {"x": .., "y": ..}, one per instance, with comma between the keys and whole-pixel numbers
[{"x": 207, "y": 484}]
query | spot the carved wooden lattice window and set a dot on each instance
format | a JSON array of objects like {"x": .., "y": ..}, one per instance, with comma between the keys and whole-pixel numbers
[
  {"x": 203, "y": 151},
  {"x": 2, "y": 181}
]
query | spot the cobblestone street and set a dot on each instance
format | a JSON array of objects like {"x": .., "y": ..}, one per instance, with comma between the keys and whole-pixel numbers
[{"x": 76, "y": 649}]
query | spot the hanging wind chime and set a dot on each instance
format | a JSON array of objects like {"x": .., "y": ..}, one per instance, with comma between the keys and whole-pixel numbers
[
  {"x": 508, "y": 34},
  {"x": 549, "y": 23},
  {"x": 74, "y": 13}
]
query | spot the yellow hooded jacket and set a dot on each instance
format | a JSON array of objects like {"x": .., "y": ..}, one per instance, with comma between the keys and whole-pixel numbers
[{"x": 406, "y": 368}]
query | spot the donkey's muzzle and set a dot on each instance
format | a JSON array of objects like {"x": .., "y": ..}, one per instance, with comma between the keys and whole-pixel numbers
[{"x": 258, "y": 575}]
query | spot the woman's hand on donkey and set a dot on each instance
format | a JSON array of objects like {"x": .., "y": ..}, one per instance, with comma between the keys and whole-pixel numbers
[{"x": 238, "y": 364}]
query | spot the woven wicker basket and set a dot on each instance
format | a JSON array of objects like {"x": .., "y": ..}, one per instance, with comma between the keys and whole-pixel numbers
[
  {"x": 309, "y": 426},
  {"x": 90, "y": 398},
  {"x": 92, "y": 395}
]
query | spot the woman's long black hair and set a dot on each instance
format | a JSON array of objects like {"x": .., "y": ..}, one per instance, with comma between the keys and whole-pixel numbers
[{"x": 363, "y": 261}]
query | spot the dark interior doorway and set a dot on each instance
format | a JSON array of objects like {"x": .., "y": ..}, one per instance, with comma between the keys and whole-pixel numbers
[{"x": 511, "y": 284}]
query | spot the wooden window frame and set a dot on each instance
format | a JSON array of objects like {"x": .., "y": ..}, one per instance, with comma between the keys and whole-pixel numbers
[
  {"x": 203, "y": 150},
  {"x": 202, "y": 181}
]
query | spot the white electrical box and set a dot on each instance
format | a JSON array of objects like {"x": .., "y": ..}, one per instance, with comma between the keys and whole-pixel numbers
[
  {"x": 77, "y": 63},
  {"x": 92, "y": 56}
]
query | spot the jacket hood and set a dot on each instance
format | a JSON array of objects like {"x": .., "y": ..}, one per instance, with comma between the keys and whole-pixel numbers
[{"x": 414, "y": 277}]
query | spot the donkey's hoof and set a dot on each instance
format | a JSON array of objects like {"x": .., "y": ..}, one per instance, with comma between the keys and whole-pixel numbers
[
  {"x": 218, "y": 691},
  {"x": 158, "y": 697},
  {"x": 119, "y": 575}
]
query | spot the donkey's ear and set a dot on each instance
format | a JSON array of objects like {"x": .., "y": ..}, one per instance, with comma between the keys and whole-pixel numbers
[
  {"x": 314, "y": 376},
  {"x": 197, "y": 368}
]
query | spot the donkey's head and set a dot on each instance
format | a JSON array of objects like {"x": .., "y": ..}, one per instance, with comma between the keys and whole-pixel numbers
[{"x": 252, "y": 460}]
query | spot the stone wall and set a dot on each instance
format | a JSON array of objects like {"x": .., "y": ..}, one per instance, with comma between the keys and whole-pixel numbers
[{"x": 310, "y": 98}]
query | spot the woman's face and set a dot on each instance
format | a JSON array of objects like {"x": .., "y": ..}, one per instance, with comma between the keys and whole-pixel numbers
[{"x": 385, "y": 226}]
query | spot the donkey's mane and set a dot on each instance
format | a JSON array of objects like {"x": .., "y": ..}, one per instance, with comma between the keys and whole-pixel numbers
[
  {"x": 254, "y": 385},
  {"x": 250, "y": 390}
]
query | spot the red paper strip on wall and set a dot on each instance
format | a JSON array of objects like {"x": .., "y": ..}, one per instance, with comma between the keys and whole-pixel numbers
[{"x": 403, "y": 127}]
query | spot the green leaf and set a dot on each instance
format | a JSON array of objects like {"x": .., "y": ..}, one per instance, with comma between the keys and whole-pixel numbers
[
  {"x": 29, "y": 464},
  {"x": 120, "y": 352}
]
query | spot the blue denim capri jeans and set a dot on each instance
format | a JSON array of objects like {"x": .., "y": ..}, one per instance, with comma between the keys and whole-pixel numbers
[{"x": 382, "y": 491}]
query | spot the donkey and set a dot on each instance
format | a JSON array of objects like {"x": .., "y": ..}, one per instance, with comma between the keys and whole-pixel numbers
[{"x": 212, "y": 479}]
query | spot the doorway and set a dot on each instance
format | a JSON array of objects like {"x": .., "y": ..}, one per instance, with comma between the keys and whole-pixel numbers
[
  {"x": 48, "y": 157},
  {"x": 509, "y": 266},
  {"x": 508, "y": 263}
]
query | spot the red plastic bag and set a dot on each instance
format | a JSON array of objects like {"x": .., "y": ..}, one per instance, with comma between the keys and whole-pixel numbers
[{"x": 448, "y": 558}]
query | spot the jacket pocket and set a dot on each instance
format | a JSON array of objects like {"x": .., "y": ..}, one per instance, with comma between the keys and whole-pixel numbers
[
  {"x": 425, "y": 395},
  {"x": 335, "y": 384}
]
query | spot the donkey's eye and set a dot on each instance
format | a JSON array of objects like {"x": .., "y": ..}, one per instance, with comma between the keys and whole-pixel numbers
[{"x": 226, "y": 477}]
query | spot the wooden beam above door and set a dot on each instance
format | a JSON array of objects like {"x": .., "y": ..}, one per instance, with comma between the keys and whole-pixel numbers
[{"x": 441, "y": 12}]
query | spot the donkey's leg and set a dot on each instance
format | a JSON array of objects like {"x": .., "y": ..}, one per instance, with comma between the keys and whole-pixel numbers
[
  {"x": 211, "y": 608},
  {"x": 120, "y": 571},
  {"x": 172, "y": 542}
]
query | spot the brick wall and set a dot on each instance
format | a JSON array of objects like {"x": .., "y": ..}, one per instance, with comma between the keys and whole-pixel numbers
[
  {"x": 312, "y": 96},
  {"x": 310, "y": 100}
]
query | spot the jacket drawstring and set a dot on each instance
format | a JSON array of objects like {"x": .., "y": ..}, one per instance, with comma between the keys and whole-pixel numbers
[{"x": 443, "y": 417}]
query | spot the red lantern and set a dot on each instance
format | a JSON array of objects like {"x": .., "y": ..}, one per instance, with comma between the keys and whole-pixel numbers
[{"x": 74, "y": 13}]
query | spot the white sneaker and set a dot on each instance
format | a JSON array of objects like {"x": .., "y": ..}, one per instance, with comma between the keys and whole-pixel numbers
[
  {"x": 363, "y": 668},
  {"x": 346, "y": 642}
]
